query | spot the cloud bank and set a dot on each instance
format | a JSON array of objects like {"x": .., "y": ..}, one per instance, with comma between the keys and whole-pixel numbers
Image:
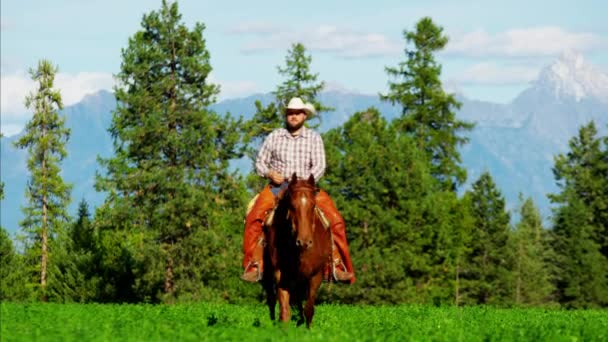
[
  {"x": 74, "y": 87},
  {"x": 523, "y": 42},
  {"x": 17, "y": 86},
  {"x": 345, "y": 43},
  {"x": 495, "y": 74}
]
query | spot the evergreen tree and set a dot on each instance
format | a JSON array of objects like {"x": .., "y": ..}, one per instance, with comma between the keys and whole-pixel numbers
[
  {"x": 7, "y": 261},
  {"x": 486, "y": 274},
  {"x": 77, "y": 266},
  {"x": 377, "y": 179},
  {"x": 12, "y": 277},
  {"x": 407, "y": 239},
  {"x": 428, "y": 112},
  {"x": 454, "y": 245},
  {"x": 171, "y": 201},
  {"x": 47, "y": 194},
  {"x": 602, "y": 201},
  {"x": 531, "y": 250},
  {"x": 12, "y": 285},
  {"x": 580, "y": 223},
  {"x": 82, "y": 233},
  {"x": 9, "y": 267},
  {"x": 299, "y": 82}
]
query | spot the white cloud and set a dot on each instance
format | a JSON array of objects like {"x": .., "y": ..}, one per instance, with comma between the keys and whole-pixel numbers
[
  {"x": 14, "y": 89},
  {"x": 494, "y": 74},
  {"x": 236, "y": 89},
  {"x": 75, "y": 87},
  {"x": 11, "y": 129},
  {"x": 527, "y": 42},
  {"x": 325, "y": 38},
  {"x": 17, "y": 86}
]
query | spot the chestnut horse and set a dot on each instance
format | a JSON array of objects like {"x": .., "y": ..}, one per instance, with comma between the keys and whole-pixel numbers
[{"x": 298, "y": 250}]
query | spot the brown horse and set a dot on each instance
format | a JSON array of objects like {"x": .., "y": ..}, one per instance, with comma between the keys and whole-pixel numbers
[{"x": 297, "y": 252}]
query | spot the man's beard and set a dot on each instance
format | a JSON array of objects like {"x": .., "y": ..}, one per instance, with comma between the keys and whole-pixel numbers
[{"x": 292, "y": 129}]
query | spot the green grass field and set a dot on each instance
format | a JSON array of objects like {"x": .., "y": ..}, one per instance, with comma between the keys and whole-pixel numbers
[{"x": 220, "y": 322}]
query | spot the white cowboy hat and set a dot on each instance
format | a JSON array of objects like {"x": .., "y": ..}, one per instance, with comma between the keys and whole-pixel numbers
[{"x": 297, "y": 103}]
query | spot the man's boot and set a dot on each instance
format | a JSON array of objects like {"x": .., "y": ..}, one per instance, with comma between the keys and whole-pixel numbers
[
  {"x": 253, "y": 237},
  {"x": 340, "y": 272},
  {"x": 255, "y": 268}
]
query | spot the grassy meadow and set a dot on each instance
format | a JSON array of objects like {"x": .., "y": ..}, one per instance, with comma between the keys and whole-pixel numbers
[{"x": 224, "y": 322}]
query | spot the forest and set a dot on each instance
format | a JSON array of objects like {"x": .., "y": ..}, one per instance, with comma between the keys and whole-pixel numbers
[{"x": 170, "y": 228}]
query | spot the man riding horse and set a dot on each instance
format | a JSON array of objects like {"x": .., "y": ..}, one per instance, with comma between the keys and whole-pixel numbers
[{"x": 292, "y": 149}]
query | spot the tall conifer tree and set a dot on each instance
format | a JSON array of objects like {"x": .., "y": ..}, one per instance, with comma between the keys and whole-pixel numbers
[
  {"x": 47, "y": 194},
  {"x": 486, "y": 274},
  {"x": 531, "y": 252},
  {"x": 580, "y": 220},
  {"x": 379, "y": 179},
  {"x": 170, "y": 193},
  {"x": 428, "y": 113}
]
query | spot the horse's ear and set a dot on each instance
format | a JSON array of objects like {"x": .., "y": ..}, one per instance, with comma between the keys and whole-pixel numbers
[
  {"x": 311, "y": 180},
  {"x": 294, "y": 178}
]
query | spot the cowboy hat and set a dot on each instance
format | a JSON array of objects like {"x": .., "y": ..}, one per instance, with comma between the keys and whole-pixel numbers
[{"x": 297, "y": 103}]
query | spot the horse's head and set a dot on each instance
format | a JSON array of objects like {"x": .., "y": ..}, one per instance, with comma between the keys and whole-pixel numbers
[{"x": 301, "y": 210}]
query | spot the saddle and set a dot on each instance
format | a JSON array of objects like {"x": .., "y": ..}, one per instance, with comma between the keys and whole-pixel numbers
[{"x": 268, "y": 220}]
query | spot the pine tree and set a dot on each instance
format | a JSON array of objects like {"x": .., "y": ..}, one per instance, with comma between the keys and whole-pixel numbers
[
  {"x": 299, "y": 82},
  {"x": 531, "y": 250},
  {"x": 78, "y": 276},
  {"x": 428, "y": 112},
  {"x": 580, "y": 223},
  {"x": 82, "y": 232},
  {"x": 602, "y": 200},
  {"x": 12, "y": 276},
  {"x": 170, "y": 193},
  {"x": 486, "y": 273},
  {"x": 378, "y": 178},
  {"x": 47, "y": 194},
  {"x": 454, "y": 244},
  {"x": 11, "y": 279}
]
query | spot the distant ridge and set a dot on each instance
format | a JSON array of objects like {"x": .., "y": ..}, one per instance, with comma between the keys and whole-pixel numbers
[{"x": 515, "y": 142}]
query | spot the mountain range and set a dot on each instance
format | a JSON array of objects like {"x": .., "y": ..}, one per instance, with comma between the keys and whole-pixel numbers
[{"x": 516, "y": 142}]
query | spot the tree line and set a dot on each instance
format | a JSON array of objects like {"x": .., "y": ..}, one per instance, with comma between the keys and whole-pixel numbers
[{"x": 170, "y": 227}]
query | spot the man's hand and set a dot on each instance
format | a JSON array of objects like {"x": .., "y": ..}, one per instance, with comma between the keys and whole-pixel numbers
[{"x": 275, "y": 177}]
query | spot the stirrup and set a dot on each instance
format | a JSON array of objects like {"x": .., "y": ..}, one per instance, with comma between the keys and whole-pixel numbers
[
  {"x": 252, "y": 276},
  {"x": 339, "y": 275}
]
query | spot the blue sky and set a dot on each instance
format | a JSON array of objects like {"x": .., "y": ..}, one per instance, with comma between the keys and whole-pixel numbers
[{"x": 496, "y": 47}]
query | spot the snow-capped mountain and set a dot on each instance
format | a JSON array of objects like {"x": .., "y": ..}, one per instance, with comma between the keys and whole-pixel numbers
[
  {"x": 517, "y": 142},
  {"x": 572, "y": 77},
  {"x": 568, "y": 93}
]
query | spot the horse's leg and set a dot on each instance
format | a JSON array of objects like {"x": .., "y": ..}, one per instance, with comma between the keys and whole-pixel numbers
[
  {"x": 300, "y": 311},
  {"x": 271, "y": 297},
  {"x": 285, "y": 313},
  {"x": 313, "y": 287}
]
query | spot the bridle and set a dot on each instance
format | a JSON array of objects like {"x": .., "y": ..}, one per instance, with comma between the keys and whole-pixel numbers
[{"x": 289, "y": 197}]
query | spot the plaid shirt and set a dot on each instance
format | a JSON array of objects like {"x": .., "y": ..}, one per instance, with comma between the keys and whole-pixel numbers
[{"x": 286, "y": 154}]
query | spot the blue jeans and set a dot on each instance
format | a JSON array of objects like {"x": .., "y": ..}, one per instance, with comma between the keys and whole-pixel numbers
[{"x": 275, "y": 189}]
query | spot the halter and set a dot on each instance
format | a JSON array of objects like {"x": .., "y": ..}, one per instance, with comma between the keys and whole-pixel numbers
[{"x": 291, "y": 189}]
